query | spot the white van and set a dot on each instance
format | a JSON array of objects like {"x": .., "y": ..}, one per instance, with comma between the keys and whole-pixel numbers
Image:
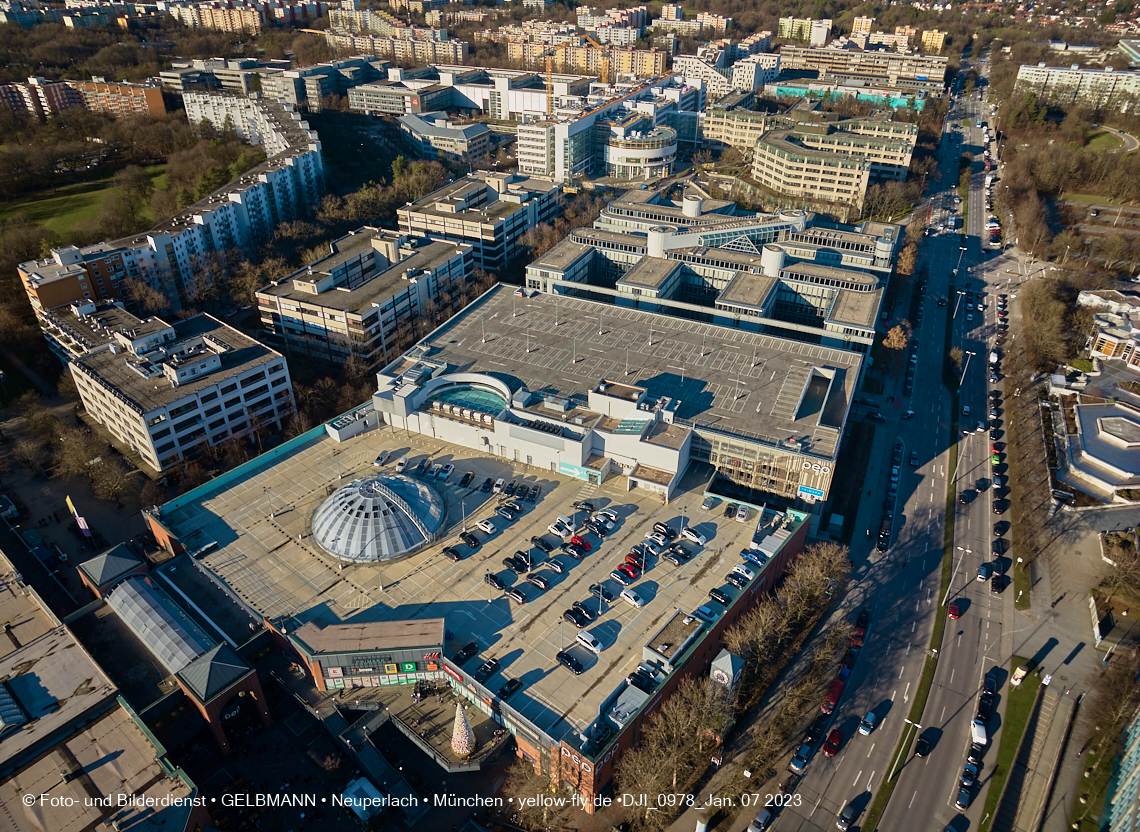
[
  {"x": 401, "y": 464},
  {"x": 589, "y": 642},
  {"x": 746, "y": 571},
  {"x": 978, "y": 732}
]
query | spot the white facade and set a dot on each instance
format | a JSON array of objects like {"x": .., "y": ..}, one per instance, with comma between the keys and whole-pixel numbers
[
  {"x": 562, "y": 150},
  {"x": 753, "y": 72},
  {"x": 696, "y": 69}
]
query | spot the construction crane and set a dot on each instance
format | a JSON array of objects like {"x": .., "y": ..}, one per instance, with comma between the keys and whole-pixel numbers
[
  {"x": 605, "y": 59},
  {"x": 549, "y": 54}
]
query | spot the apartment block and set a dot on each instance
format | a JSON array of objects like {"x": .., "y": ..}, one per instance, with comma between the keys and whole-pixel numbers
[
  {"x": 238, "y": 75},
  {"x": 1068, "y": 85},
  {"x": 590, "y": 60},
  {"x": 927, "y": 72},
  {"x": 170, "y": 390},
  {"x": 120, "y": 99},
  {"x": 401, "y": 49},
  {"x": 443, "y": 18},
  {"x": 365, "y": 296},
  {"x": 862, "y": 25},
  {"x": 708, "y": 67},
  {"x": 234, "y": 21},
  {"x": 432, "y": 134},
  {"x": 244, "y": 16},
  {"x": 245, "y": 211},
  {"x": 933, "y": 41},
  {"x": 805, "y": 30},
  {"x": 755, "y": 71},
  {"x": 735, "y": 127},
  {"x": 488, "y": 211}
]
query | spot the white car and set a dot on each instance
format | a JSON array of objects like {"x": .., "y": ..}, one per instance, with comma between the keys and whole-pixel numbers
[
  {"x": 609, "y": 514},
  {"x": 382, "y": 458},
  {"x": 589, "y": 642},
  {"x": 499, "y": 483},
  {"x": 558, "y": 529},
  {"x": 741, "y": 513},
  {"x": 487, "y": 526},
  {"x": 657, "y": 538},
  {"x": 446, "y": 471},
  {"x": 694, "y": 535},
  {"x": 434, "y": 471},
  {"x": 868, "y": 724},
  {"x": 631, "y": 597}
]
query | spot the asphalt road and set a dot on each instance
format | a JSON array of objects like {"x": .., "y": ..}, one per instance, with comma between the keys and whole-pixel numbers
[{"x": 901, "y": 586}]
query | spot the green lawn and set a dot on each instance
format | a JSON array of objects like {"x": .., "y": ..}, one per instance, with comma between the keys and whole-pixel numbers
[
  {"x": 1100, "y": 140},
  {"x": 69, "y": 204},
  {"x": 1018, "y": 706},
  {"x": 1090, "y": 199}
]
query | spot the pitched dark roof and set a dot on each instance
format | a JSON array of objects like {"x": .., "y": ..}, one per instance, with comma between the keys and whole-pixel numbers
[
  {"x": 116, "y": 562},
  {"x": 213, "y": 672}
]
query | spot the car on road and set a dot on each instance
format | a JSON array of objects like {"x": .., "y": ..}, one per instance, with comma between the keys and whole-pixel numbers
[
  {"x": 509, "y": 689},
  {"x": 487, "y": 526},
  {"x": 966, "y": 497},
  {"x": 846, "y": 817},
  {"x": 834, "y": 740},
  {"x": 954, "y": 610},
  {"x": 801, "y": 759},
  {"x": 867, "y": 724},
  {"x": 584, "y": 505},
  {"x": 922, "y": 747},
  {"x": 466, "y": 481},
  {"x": 914, "y": 459},
  {"x": 984, "y": 572},
  {"x": 569, "y": 662},
  {"x": 1001, "y": 506}
]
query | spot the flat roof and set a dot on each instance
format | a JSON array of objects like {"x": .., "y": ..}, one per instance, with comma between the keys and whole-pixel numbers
[
  {"x": 732, "y": 381},
  {"x": 115, "y": 758},
  {"x": 382, "y": 285},
  {"x": 563, "y": 254},
  {"x": 747, "y": 289},
  {"x": 153, "y": 393},
  {"x": 479, "y": 181},
  {"x": 651, "y": 272},
  {"x": 371, "y": 635},
  {"x": 858, "y": 308},
  {"x": 26, "y": 618}
]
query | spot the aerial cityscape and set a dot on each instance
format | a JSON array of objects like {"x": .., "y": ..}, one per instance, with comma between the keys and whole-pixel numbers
[{"x": 516, "y": 416}]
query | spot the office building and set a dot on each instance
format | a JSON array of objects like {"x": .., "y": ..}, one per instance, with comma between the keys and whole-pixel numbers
[
  {"x": 861, "y": 88},
  {"x": 305, "y": 87},
  {"x": 171, "y": 391},
  {"x": 933, "y": 41},
  {"x": 734, "y": 127},
  {"x": 373, "y": 290},
  {"x": 634, "y": 147},
  {"x": 805, "y": 30},
  {"x": 489, "y": 211},
  {"x": 238, "y": 75},
  {"x": 1116, "y": 325},
  {"x": 284, "y": 187},
  {"x": 432, "y": 135},
  {"x": 777, "y": 273},
  {"x": 1122, "y": 805},
  {"x": 1070, "y": 85},
  {"x": 924, "y": 72}
]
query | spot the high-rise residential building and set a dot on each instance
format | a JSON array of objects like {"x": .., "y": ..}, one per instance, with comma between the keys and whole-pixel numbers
[
  {"x": 364, "y": 297},
  {"x": 246, "y": 16},
  {"x": 805, "y": 30},
  {"x": 862, "y": 25},
  {"x": 120, "y": 99},
  {"x": 755, "y": 71},
  {"x": 735, "y": 127},
  {"x": 707, "y": 66},
  {"x": 925, "y": 72},
  {"x": 164, "y": 389},
  {"x": 400, "y": 49},
  {"x": 1068, "y": 85},
  {"x": 933, "y": 41}
]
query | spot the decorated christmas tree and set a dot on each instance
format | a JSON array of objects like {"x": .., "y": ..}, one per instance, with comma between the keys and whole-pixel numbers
[{"x": 462, "y": 737}]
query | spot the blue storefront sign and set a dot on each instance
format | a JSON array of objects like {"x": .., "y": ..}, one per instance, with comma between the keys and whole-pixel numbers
[{"x": 810, "y": 492}]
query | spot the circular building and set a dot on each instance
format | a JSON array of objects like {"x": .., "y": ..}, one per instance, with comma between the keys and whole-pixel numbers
[{"x": 377, "y": 519}]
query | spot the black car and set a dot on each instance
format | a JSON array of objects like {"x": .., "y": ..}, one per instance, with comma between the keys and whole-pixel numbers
[
  {"x": 680, "y": 551},
  {"x": 980, "y": 485},
  {"x": 510, "y": 489},
  {"x": 535, "y": 490},
  {"x": 666, "y": 531},
  {"x": 521, "y": 494},
  {"x": 922, "y": 747},
  {"x": 1001, "y": 506},
  {"x": 864, "y": 619},
  {"x": 466, "y": 481},
  {"x": 492, "y": 579},
  {"x": 738, "y": 581},
  {"x": 510, "y": 688},
  {"x": 597, "y": 528},
  {"x": 488, "y": 484},
  {"x": 729, "y": 509},
  {"x": 603, "y": 593},
  {"x": 465, "y": 653},
  {"x": 515, "y": 565},
  {"x": 539, "y": 580},
  {"x": 486, "y": 670},
  {"x": 517, "y": 595},
  {"x": 995, "y": 395},
  {"x": 884, "y": 542},
  {"x": 1000, "y": 528},
  {"x": 720, "y": 596},
  {"x": 1000, "y": 566},
  {"x": 672, "y": 558},
  {"x": 974, "y": 755},
  {"x": 997, "y": 547},
  {"x": 574, "y": 616},
  {"x": 584, "y": 505},
  {"x": 542, "y": 544},
  {"x": 574, "y": 550},
  {"x": 966, "y": 497},
  {"x": 998, "y": 584},
  {"x": 990, "y": 683},
  {"x": 569, "y": 662},
  {"x": 470, "y": 539},
  {"x": 814, "y": 733},
  {"x": 585, "y": 610},
  {"x": 453, "y": 553},
  {"x": 850, "y": 657},
  {"x": 985, "y": 707}
]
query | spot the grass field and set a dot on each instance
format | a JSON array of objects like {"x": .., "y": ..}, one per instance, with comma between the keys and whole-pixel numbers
[
  {"x": 1100, "y": 140},
  {"x": 1017, "y": 709},
  {"x": 1090, "y": 199},
  {"x": 60, "y": 211}
]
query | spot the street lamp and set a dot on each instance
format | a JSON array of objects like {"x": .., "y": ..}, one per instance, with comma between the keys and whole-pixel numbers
[
  {"x": 899, "y": 759},
  {"x": 969, "y": 354}
]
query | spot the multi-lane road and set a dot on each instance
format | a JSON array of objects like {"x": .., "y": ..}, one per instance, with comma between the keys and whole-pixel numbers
[{"x": 902, "y": 586}]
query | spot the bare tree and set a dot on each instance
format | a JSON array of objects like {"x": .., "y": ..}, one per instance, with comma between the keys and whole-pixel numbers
[
  {"x": 110, "y": 479},
  {"x": 524, "y": 784},
  {"x": 30, "y": 453}
]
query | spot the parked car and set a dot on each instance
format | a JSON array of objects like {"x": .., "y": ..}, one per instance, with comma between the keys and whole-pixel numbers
[
  {"x": 574, "y": 616},
  {"x": 517, "y": 595},
  {"x": 834, "y": 740},
  {"x": 487, "y": 485},
  {"x": 492, "y": 579},
  {"x": 569, "y": 662},
  {"x": 486, "y": 670},
  {"x": 741, "y": 513},
  {"x": 694, "y": 536},
  {"x": 589, "y": 641},
  {"x": 466, "y": 481},
  {"x": 729, "y": 509},
  {"x": 500, "y": 483},
  {"x": 509, "y": 689},
  {"x": 801, "y": 759},
  {"x": 720, "y": 596},
  {"x": 487, "y": 526},
  {"x": 446, "y": 471},
  {"x": 539, "y": 580},
  {"x": 510, "y": 487},
  {"x": 465, "y": 653},
  {"x": 543, "y": 544},
  {"x": 453, "y": 553},
  {"x": 470, "y": 539}
]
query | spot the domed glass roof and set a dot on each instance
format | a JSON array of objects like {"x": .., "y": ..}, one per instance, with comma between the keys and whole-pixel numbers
[{"x": 378, "y": 518}]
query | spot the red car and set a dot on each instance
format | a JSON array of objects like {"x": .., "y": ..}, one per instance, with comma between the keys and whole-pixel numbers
[
  {"x": 577, "y": 541},
  {"x": 635, "y": 560},
  {"x": 629, "y": 569},
  {"x": 954, "y": 610},
  {"x": 833, "y": 741}
]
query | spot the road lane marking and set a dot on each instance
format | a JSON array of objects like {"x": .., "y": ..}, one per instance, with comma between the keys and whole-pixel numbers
[
  {"x": 912, "y": 797},
  {"x": 901, "y": 669},
  {"x": 870, "y": 780},
  {"x": 872, "y": 749},
  {"x": 906, "y": 697},
  {"x": 857, "y": 776},
  {"x": 951, "y": 676}
]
